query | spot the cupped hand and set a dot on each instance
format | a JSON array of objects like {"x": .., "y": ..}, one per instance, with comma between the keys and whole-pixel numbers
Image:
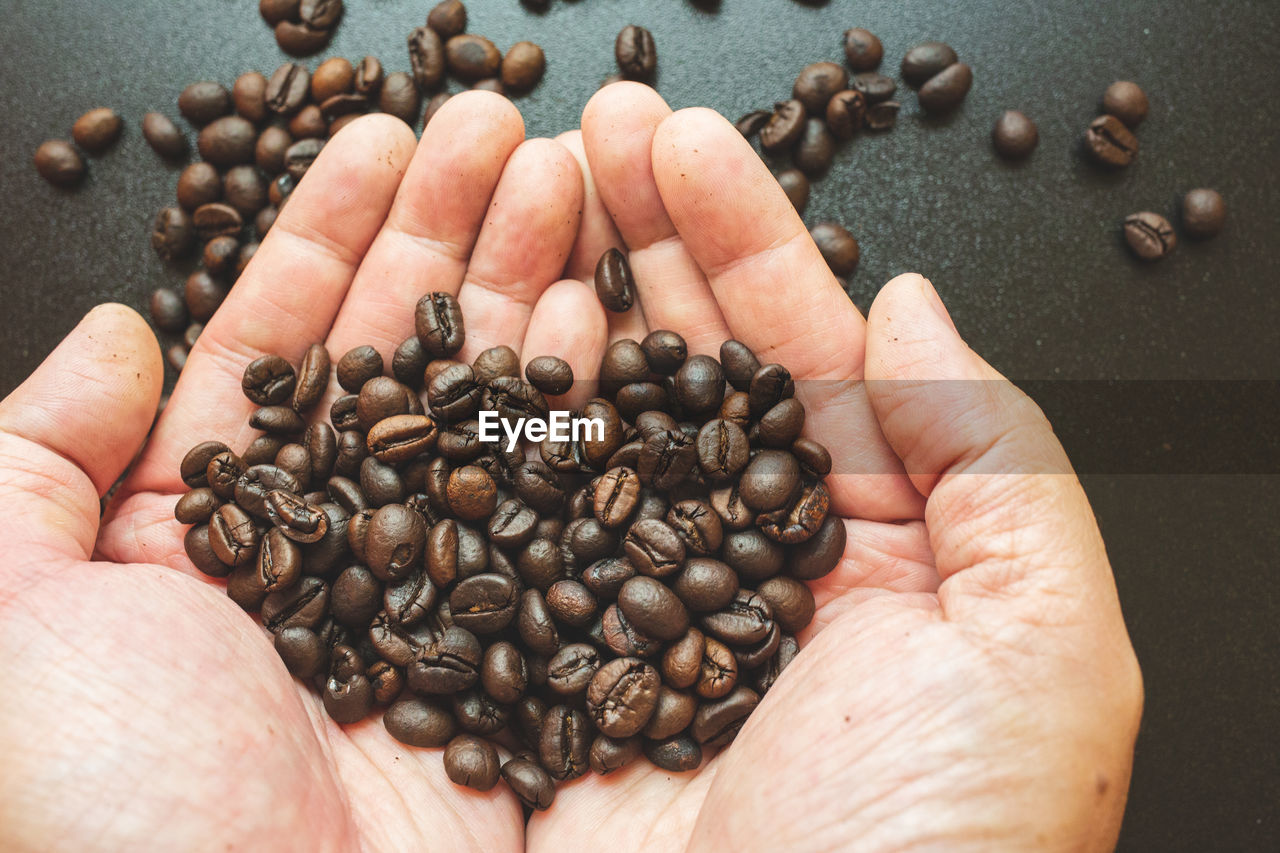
[
  {"x": 144, "y": 710},
  {"x": 968, "y": 682}
]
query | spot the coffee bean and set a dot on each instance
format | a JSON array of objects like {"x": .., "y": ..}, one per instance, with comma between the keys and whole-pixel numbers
[
  {"x": 606, "y": 577},
  {"x": 217, "y": 220},
  {"x": 816, "y": 149},
  {"x": 523, "y": 66},
  {"x": 1149, "y": 235},
  {"x": 484, "y": 603},
  {"x": 356, "y": 597},
  {"x": 419, "y": 722},
  {"x": 675, "y": 755},
  {"x": 838, "y": 247},
  {"x": 203, "y": 102},
  {"x": 790, "y": 600},
  {"x": 472, "y": 493},
  {"x": 705, "y": 585},
  {"x": 287, "y": 89},
  {"x": 249, "y": 96},
  {"x": 438, "y": 321},
  {"x": 564, "y": 742},
  {"x": 816, "y": 557},
  {"x": 922, "y": 62},
  {"x": 530, "y": 783},
  {"x": 616, "y": 497},
  {"x": 312, "y": 378},
  {"x": 549, "y": 374},
  {"x": 846, "y": 112},
  {"x": 449, "y": 663},
  {"x": 300, "y": 521},
  {"x": 622, "y": 696},
  {"x": 168, "y": 313},
  {"x": 1203, "y": 213},
  {"x": 220, "y": 254},
  {"x": 770, "y": 480},
  {"x": 503, "y": 673},
  {"x": 471, "y": 761},
  {"x": 571, "y": 603},
  {"x": 883, "y": 115},
  {"x": 233, "y": 536},
  {"x": 609, "y": 754},
  {"x": 302, "y": 651},
  {"x": 308, "y": 123},
  {"x": 636, "y": 53},
  {"x": 946, "y": 89},
  {"x": 299, "y": 156},
  {"x": 320, "y": 14},
  {"x": 862, "y": 49},
  {"x": 203, "y": 295},
  {"x": 299, "y": 39},
  {"x": 614, "y": 284},
  {"x": 198, "y": 185},
  {"x": 97, "y": 130},
  {"x": 268, "y": 380},
  {"x": 399, "y": 97},
  {"x": 653, "y": 608},
  {"x": 816, "y": 84},
  {"x": 682, "y": 661},
  {"x": 472, "y": 57},
  {"x": 753, "y": 122},
  {"x": 717, "y": 723},
  {"x": 196, "y": 506},
  {"x": 448, "y": 18},
  {"x": 228, "y": 141},
  {"x": 1014, "y": 136},
  {"x": 784, "y": 128},
  {"x": 875, "y": 87},
  {"x": 195, "y": 463},
  {"x": 752, "y": 555},
  {"x": 623, "y": 638},
  {"x": 163, "y": 136},
  {"x": 1110, "y": 142},
  {"x": 1126, "y": 101},
  {"x": 368, "y": 77},
  {"x": 173, "y": 235},
  {"x": 198, "y": 549},
  {"x": 718, "y": 674}
]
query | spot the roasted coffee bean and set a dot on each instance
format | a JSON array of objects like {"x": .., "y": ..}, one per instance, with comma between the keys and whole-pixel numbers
[
  {"x": 922, "y": 62},
  {"x": 622, "y": 696},
  {"x": 196, "y": 506},
  {"x": 624, "y": 638},
  {"x": 846, "y": 112},
  {"x": 816, "y": 84},
  {"x": 426, "y": 58},
  {"x": 448, "y": 664},
  {"x": 399, "y": 97},
  {"x": 752, "y": 555},
  {"x": 173, "y": 235},
  {"x": 484, "y": 603},
  {"x": 419, "y": 722},
  {"x": 410, "y": 601},
  {"x": 233, "y": 536},
  {"x": 249, "y": 96},
  {"x": 609, "y": 754},
  {"x": 698, "y": 525},
  {"x": 665, "y": 460},
  {"x": 228, "y": 141},
  {"x": 571, "y": 602},
  {"x": 382, "y": 397},
  {"x": 1203, "y": 213},
  {"x": 195, "y": 464},
  {"x": 753, "y": 122},
  {"x": 614, "y": 284},
  {"x": 723, "y": 450},
  {"x": 295, "y": 459},
  {"x": 176, "y": 356},
  {"x": 472, "y": 762},
  {"x": 217, "y": 220},
  {"x": 739, "y": 364},
  {"x": 275, "y": 11},
  {"x": 220, "y": 254},
  {"x": 616, "y": 497},
  {"x": 343, "y": 414},
  {"x": 675, "y": 755},
  {"x": 838, "y": 247},
  {"x": 203, "y": 102},
  {"x": 300, "y": 39},
  {"x": 682, "y": 661},
  {"x": 816, "y": 149},
  {"x": 718, "y": 674},
  {"x": 624, "y": 362},
  {"x": 203, "y": 295},
  {"x": 780, "y": 426},
  {"x": 862, "y": 49},
  {"x": 800, "y": 520},
  {"x": 784, "y": 128},
  {"x": 745, "y": 620},
  {"x": 512, "y": 524},
  {"x": 653, "y": 608},
  {"x": 283, "y": 186},
  {"x": 409, "y": 362},
  {"x": 262, "y": 451},
  {"x": 394, "y": 542},
  {"x": 541, "y": 563},
  {"x": 1126, "y": 101},
  {"x": 1014, "y": 136},
  {"x": 699, "y": 385},
  {"x": 671, "y": 715},
  {"x": 549, "y": 374},
  {"x": 503, "y": 673},
  {"x": 269, "y": 380},
  {"x": 357, "y": 367},
  {"x": 299, "y": 520},
  {"x": 97, "y": 130},
  {"x": 790, "y": 600},
  {"x": 352, "y": 452},
  {"x": 705, "y": 585},
  {"x": 1149, "y": 235},
  {"x": 605, "y": 577},
  {"x": 530, "y": 783},
  {"x": 564, "y": 742},
  {"x": 300, "y": 155},
  {"x": 396, "y": 439},
  {"x": 368, "y": 77},
  {"x": 883, "y": 115},
  {"x": 636, "y": 53},
  {"x": 654, "y": 548},
  {"x": 527, "y": 717},
  {"x": 448, "y": 18},
  {"x": 312, "y": 378},
  {"x": 472, "y": 493},
  {"x": 664, "y": 351},
  {"x": 255, "y": 483},
  {"x": 387, "y": 682},
  {"x": 494, "y": 362},
  {"x": 597, "y": 448},
  {"x": 946, "y": 89},
  {"x": 472, "y": 57},
  {"x": 199, "y": 184},
  {"x": 571, "y": 669},
  {"x": 1110, "y": 143},
  {"x": 303, "y": 652},
  {"x": 523, "y": 66},
  {"x": 163, "y": 136},
  {"x": 168, "y": 313},
  {"x": 278, "y": 420},
  {"x": 356, "y": 597},
  {"x": 875, "y": 87},
  {"x": 320, "y": 14},
  {"x": 199, "y": 550},
  {"x": 308, "y": 123},
  {"x": 438, "y": 321},
  {"x": 717, "y": 723}
]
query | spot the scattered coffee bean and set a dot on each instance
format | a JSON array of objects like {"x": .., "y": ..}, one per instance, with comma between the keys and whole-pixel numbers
[
  {"x": 862, "y": 49},
  {"x": 59, "y": 163},
  {"x": 1110, "y": 142},
  {"x": 1203, "y": 213},
  {"x": 614, "y": 285},
  {"x": 1149, "y": 235},
  {"x": 97, "y": 130},
  {"x": 1126, "y": 101},
  {"x": 163, "y": 136},
  {"x": 838, "y": 247},
  {"x": 1014, "y": 136},
  {"x": 636, "y": 53}
]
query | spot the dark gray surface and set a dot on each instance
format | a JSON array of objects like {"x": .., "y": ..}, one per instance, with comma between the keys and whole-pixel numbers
[{"x": 1028, "y": 258}]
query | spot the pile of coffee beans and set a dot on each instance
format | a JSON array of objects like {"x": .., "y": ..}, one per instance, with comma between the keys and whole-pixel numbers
[
  {"x": 258, "y": 139},
  {"x": 1151, "y": 236},
  {"x": 633, "y": 589},
  {"x": 302, "y": 27},
  {"x": 58, "y": 161}
]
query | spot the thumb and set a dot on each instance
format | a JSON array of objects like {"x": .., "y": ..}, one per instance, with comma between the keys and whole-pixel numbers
[
  {"x": 1011, "y": 529},
  {"x": 69, "y": 431}
]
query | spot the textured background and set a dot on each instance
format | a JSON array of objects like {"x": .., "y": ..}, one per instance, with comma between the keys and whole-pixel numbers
[{"x": 1028, "y": 257}]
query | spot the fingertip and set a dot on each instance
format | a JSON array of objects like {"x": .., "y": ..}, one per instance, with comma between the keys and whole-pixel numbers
[
  {"x": 568, "y": 321},
  {"x": 618, "y": 100},
  {"x": 489, "y": 105}
]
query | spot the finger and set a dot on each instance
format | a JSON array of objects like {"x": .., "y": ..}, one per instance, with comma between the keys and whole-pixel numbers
[
  {"x": 288, "y": 296},
  {"x": 432, "y": 228},
  {"x": 779, "y": 298},
  {"x": 523, "y": 245},
  {"x": 618, "y": 125},
  {"x": 568, "y": 321},
  {"x": 1010, "y": 526},
  {"x": 68, "y": 432}
]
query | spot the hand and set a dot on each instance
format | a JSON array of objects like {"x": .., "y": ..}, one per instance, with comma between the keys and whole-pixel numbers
[
  {"x": 968, "y": 682},
  {"x": 143, "y": 709}
]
